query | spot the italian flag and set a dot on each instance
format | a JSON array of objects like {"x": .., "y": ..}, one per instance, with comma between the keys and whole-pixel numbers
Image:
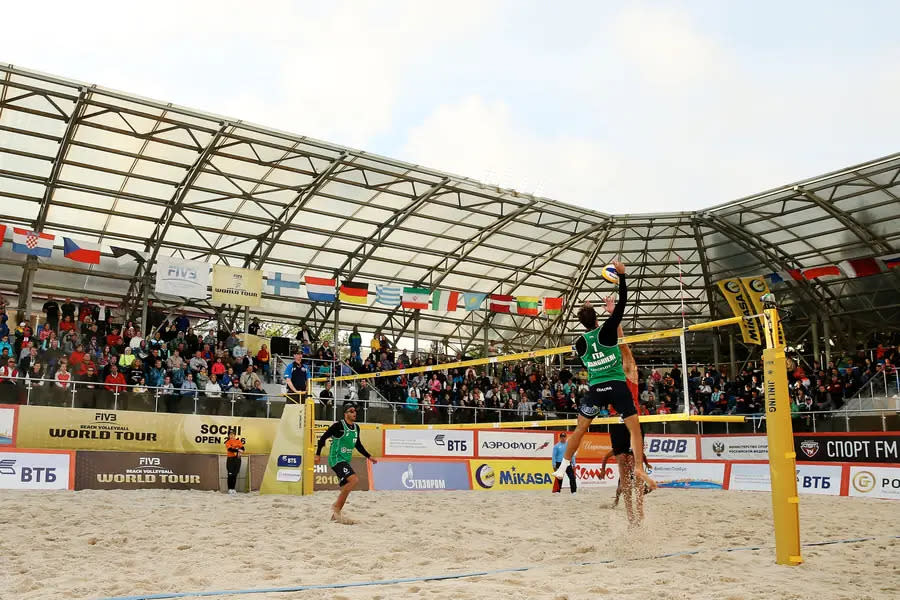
[
  {"x": 527, "y": 305},
  {"x": 415, "y": 298},
  {"x": 444, "y": 300},
  {"x": 553, "y": 306}
]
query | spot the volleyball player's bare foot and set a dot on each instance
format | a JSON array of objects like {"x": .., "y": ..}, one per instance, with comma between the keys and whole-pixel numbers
[{"x": 646, "y": 479}]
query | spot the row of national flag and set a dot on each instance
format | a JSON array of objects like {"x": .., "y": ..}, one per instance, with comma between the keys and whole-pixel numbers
[
  {"x": 320, "y": 289},
  {"x": 32, "y": 243},
  {"x": 857, "y": 267}
]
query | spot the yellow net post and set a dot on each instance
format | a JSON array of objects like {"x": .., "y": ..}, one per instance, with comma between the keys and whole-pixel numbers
[
  {"x": 782, "y": 463},
  {"x": 309, "y": 447}
]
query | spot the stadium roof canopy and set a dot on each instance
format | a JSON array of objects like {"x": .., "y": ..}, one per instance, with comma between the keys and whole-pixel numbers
[{"x": 109, "y": 167}]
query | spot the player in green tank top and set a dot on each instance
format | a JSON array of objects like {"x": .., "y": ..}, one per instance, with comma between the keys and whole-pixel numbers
[
  {"x": 344, "y": 435},
  {"x": 599, "y": 351}
]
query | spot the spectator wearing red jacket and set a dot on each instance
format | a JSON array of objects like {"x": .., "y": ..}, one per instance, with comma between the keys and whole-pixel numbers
[{"x": 115, "y": 381}]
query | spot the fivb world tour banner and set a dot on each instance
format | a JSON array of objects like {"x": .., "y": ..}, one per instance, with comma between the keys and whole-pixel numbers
[
  {"x": 231, "y": 285},
  {"x": 179, "y": 277}
]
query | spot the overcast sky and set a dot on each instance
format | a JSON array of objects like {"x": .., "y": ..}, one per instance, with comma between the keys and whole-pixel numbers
[{"x": 619, "y": 107}]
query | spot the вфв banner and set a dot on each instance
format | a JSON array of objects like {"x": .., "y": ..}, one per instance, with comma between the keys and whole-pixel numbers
[
  {"x": 875, "y": 482},
  {"x": 7, "y": 425},
  {"x": 590, "y": 476},
  {"x": 518, "y": 444},
  {"x": 689, "y": 475},
  {"x": 179, "y": 277},
  {"x": 594, "y": 446},
  {"x": 429, "y": 442},
  {"x": 734, "y": 447},
  {"x": 811, "y": 479},
  {"x": 122, "y": 430},
  {"x": 146, "y": 470},
  {"x": 420, "y": 475},
  {"x": 868, "y": 448},
  {"x": 232, "y": 285},
  {"x": 511, "y": 474},
  {"x": 326, "y": 479},
  {"x": 30, "y": 470},
  {"x": 670, "y": 447}
]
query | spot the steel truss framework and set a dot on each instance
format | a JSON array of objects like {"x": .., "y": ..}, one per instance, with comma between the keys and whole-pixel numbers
[{"x": 109, "y": 167}]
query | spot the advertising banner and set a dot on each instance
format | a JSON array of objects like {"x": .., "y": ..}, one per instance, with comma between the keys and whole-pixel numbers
[
  {"x": 429, "y": 442},
  {"x": 515, "y": 444},
  {"x": 372, "y": 439},
  {"x": 739, "y": 301},
  {"x": 670, "y": 447},
  {"x": 734, "y": 447},
  {"x": 871, "y": 448},
  {"x": 811, "y": 479},
  {"x": 325, "y": 478},
  {"x": 235, "y": 286},
  {"x": 420, "y": 475},
  {"x": 756, "y": 288},
  {"x": 491, "y": 475},
  {"x": 689, "y": 475},
  {"x": 875, "y": 482},
  {"x": 133, "y": 431},
  {"x": 179, "y": 277},
  {"x": 36, "y": 470},
  {"x": 594, "y": 446},
  {"x": 7, "y": 425},
  {"x": 146, "y": 470},
  {"x": 589, "y": 476}
]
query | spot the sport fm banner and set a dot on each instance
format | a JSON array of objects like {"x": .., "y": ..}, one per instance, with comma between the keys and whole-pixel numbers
[
  {"x": 449, "y": 443},
  {"x": 133, "y": 431},
  {"x": 867, "y": 448},
  {"x": 179, "y": 277},
  {"x": 516, "y": 444},
  {"x": 36, "y": 470},
  {"x": 875, "y": 482},
  {"x": 146, "y": 470},
  {"x": 756, "y": 288},
  {"x": 689, "y": 475},
  {"x": 740, "y": 305},
  {"x": 232, "y": 285},
  {"x": 414, "y": 475},
  {"x": 811, "y": 479},
  {"x": 492, "y": 475}
]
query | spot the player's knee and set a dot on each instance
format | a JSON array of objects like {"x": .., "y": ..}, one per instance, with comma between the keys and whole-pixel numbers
[{"x": 352, "y": 481}]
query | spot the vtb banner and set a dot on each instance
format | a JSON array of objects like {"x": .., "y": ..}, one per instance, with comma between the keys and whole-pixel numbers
[
  {"x": 740, "y": 304},
  {"x": 756, "y": 288},
  {"x": 231, "y": 285},
  {"x": 123, "y": 430},
  {"x": 179, "y": 277}
]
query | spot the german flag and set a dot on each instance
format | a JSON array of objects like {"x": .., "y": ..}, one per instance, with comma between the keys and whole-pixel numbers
[{"x": 354, "y": 293}]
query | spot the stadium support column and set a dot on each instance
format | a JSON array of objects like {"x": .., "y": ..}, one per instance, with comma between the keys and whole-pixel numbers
[
  {"x": 145, "y": 299},
  {"x": 26, "y": 289},
  {"x": 716, "y": 349},
  {"x": 826, "y": 333},
  {"x": 732, "y": 368},
  {"x": 814, "y": 334},
  {"x": 246, "y": 318},
  {"x": 337, "y": 329},
  {"x": 487, "y": 324},
  {"x": 416, "y": 335}
]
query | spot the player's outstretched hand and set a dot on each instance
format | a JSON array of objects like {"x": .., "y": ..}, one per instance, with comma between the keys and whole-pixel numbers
[
  {"x": 620, "y": 266},
  {"x": 610, "y": 304}
]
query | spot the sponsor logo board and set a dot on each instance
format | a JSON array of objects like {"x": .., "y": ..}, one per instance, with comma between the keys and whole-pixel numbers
[
  {"x": 415, "y": 475},
  {"x": 7, "y": 425},
  {"x": 689, "y": 475},
  {"x": 511, "y": 474},
  {"x": 875, "y": 448},
  {"x": 326, "y": 479},
  {"x": 811, "y": 479},
  {"x": 429, "y": 442},
  {"x": 515, "y": 444},
  {"x": 35, "y": 470},
  {"x": 588, "y": 476},
  {"x": 875, "y": 482},
  {"x": 674, "y": 447},
  {"x": 594, "y": 446},
  {"x": 734, "y": 447},
  {"x": 146, "y": 470}
]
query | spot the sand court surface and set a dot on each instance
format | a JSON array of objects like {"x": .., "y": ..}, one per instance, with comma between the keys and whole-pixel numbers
[{"x": 99, "y": 544}]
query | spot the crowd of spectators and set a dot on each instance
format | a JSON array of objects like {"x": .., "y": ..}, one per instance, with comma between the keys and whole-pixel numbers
[{"x": 80, "y": 347}]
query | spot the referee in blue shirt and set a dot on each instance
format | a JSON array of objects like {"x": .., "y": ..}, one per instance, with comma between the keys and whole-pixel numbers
[{"x": 559, "y": 451}]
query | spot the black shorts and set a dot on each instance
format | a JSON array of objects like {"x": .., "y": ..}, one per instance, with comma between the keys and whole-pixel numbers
[
  {"x": 603, "y": 394},
  {"x": 620, "y": 438},
  {"x": 343, "y": 471}
]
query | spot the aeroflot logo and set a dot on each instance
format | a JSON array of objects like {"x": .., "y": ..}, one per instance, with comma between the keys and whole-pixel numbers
[{"x": 498, "y": 445}]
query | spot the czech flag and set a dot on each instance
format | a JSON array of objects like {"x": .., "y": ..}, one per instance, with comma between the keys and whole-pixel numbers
[
  {"x": 319, "y": 289},
  {"x": 890, "y": 262},
  {"x": 83, "y": 252},
  {"x": 32, "y": 243},
  {"x": 354, "y": 293}
]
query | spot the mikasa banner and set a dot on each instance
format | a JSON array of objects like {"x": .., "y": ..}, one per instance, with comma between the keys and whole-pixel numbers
[
  {"x": 179, "y": 277},
  {"x": 741, "y": 306}
]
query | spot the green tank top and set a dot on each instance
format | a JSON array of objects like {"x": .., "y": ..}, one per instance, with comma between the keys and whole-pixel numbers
[
  {"x": 603, "y": 363},
  {"x": 342, "y": 447}
]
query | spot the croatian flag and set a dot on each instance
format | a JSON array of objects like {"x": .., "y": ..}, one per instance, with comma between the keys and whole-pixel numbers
[
  {"x": 890, "y": 262},
  {"x": 32, "y": 243},
  {"x": 319, "y": 289},
  {"x": 84, "y": 252}
]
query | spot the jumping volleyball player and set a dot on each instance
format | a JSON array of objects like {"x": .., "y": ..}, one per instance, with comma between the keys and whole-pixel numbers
[
  {"x": 599, "y": 351},
  {"x": 345, "y": 437}
]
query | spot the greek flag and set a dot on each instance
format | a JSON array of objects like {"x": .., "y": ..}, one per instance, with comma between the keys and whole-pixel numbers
[{"x": 388, "y": 295}]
